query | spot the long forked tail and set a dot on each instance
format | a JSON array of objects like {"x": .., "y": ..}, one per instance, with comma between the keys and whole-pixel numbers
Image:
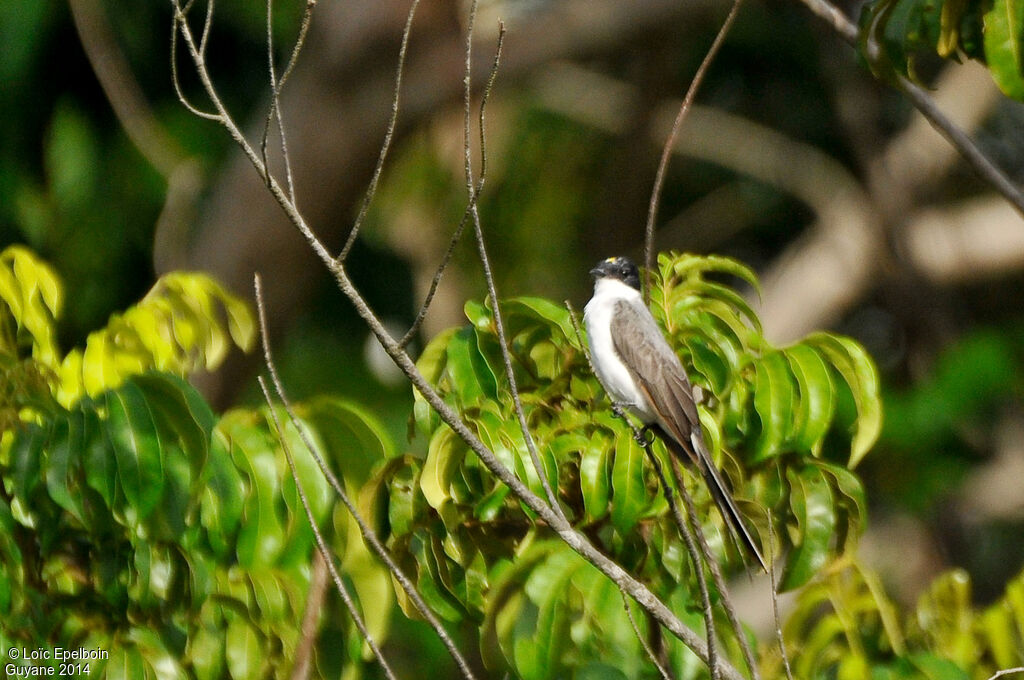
[{"x": 719, "y": 491}]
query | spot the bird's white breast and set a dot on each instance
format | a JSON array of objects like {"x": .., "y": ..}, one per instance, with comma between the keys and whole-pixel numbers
[{"x": 612, "y": 373}]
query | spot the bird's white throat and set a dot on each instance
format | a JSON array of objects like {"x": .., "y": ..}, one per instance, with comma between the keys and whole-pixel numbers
[{"x": 613, "y": 374}]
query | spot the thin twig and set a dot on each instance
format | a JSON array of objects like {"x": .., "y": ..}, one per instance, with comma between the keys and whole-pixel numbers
[
  {"x": 369, "y": 536},
  {"x": 277, "y": 86},
  {"x": 180, "y": 23},
  {"x": 670, "y": 143},
  {"x": 388, "y": 136},
  {"x": 318, "y": 584},
  {"x": 572, "y": 538},
  {"x": 485, "y": 262},
  {"x": 981, "y": 163},
  {"x": 1007, "y": 671},
  {"x": 681, "y": 524},
  {"x": 353, "y": 610},
  {"x": 664, "y": 672},
  {"x": 457, "y": 234},
  {"x": 775, "y": 601},
  {"x": 716, "y": 573}
]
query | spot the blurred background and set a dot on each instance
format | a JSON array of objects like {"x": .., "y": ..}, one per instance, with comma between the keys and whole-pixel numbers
[{"x": 857, "y": 215}]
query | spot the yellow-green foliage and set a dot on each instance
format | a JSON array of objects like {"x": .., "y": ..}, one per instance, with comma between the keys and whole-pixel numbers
[{"x": 186, "y": 322}]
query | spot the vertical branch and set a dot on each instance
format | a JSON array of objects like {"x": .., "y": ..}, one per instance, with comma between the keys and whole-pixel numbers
[
  {"x": 457, "y": 235},
  {"x": 670, "y": 143},
  {"x": 350, "y": 604},
  {"x": 275, "y": 89},
  {"x": 775, "y": 602},
  {"x": 716, "y": 574},
  {"x": 369, "y": 536},
  {"x": 485, "y": 261},
  {"x": 696, "y": 558}
]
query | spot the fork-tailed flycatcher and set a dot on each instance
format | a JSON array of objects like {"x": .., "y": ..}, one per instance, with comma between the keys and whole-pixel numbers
[{"x": 641, "y": 372}]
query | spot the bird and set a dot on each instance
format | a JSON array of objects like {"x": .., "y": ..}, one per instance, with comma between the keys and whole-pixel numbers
[{"x": 640, "y": 371}]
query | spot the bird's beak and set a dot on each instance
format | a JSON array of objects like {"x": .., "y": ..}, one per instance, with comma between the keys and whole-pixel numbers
[{"x": 596, "y": 271}]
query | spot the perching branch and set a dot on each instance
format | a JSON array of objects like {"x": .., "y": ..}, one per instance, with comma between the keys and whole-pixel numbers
[{"x": 923, "y": 102}]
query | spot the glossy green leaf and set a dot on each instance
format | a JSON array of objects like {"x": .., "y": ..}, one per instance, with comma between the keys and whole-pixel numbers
[
  {"x": 262, "y": 535},
  {"x": 539, "y": 309},
  {"x": 629, "y": 488},
  {"x": 244, "y": 652},
  {"x": 444, "y": 456},
  {"x": 594, "y": 478},
  {"x": 812, "y": 505},
  {"x": 774, "y": 399},
  {"x": 138, "y": 450},
  {"x": 221, "y": 504},
  {"x": 817, "y": 401},
  {"x": 859, "y": 372},
  {"x": 471, "y": 376},
  {"x": 181, "y": 412},
  {"x": 1004, "y": 46}
]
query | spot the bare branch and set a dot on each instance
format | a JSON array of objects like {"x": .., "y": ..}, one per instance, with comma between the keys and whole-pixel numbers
[
  {"x": 572, "y": 538},
  {"x": 926, "y": 105},
  {"x": 310, "y": 618},
  {"x": 422, "y": 313},
  {"x": 180, "y": 22},
  {"x": 775, "y": 602},
  {"x": 353, "y": 610},
  {"x": 369, "y": 536},
  {"x": 670, "y": 143},
  {"x": 1007, "y": 671},
  {"x": 485, "y": 261},
  {"x": 388, "y": 136}
]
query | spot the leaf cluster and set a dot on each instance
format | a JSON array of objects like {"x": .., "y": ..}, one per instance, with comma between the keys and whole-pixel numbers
[
  {"x": 991, "y": 31},
  {"x": 133, "y": 520},
  {"x": 776, "y": 420}
]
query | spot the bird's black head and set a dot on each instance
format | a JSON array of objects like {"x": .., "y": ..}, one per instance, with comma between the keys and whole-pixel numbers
[{"x": 620, "y": 268}]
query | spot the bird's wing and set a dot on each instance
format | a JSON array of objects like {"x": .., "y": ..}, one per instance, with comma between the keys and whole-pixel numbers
[
  {"x": 662, "y": 379},
  {"x": 657, "y": 371}
]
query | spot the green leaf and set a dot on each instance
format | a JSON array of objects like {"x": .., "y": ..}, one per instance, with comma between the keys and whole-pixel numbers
[
  {"x": 262, "y": 535},
  {"x": 137, "y": 447},
  {"x": 594, "y": 478},
  {"x": 1004, "y": 44},
  {"x": 243, "y": 650},
  {"x": 63, "y": 462},
  {"x": 817, "y": 402},
  {"x": 472, "y": 378},
  {"x": 444, "y": 456},
  {"x": 859, "y": 372},
  {"x": 813, "y": 507},
  {"x": 180, "y": 412},
  {"x": 221, "y": 504},
  {"x": 774, "y": 400},
  {"x": 629, "y": 488}
]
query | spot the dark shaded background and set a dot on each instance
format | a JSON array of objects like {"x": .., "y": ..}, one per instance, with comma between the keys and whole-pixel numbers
[{"x": 857, "y": 215}]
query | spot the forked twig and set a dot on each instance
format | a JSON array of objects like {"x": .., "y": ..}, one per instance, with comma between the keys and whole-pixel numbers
[
  {"x": 670, "y": 143},
  {"x": 716, "y": 574},
  {"x": 321, "y": 545},
  {"x": 575, "y": 540},
  {"x": 664, "y": 672},
  {"x": 369, "y": 536},
  {"x": 474, "y": 197},
  {"x": 276, "y": 86}
]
